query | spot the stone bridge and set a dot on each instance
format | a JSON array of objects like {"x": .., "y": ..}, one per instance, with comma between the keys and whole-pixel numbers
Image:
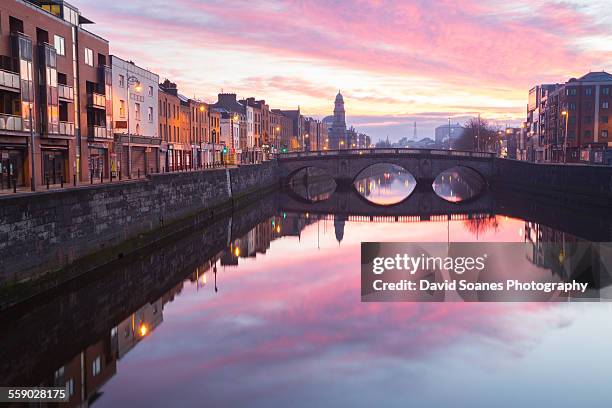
[{"x": 424, "y": 164}]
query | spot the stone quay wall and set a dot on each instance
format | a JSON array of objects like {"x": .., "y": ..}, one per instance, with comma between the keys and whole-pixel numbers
[
  {"x": 572, "y": 185},
  {"x": 85, "y": 227}
]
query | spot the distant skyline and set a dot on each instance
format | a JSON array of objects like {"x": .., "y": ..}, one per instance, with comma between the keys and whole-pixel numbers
[{"x": 395, "y": 62}]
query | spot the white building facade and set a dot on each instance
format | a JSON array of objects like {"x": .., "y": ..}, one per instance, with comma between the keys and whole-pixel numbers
[{"x": 135, "y": 118}]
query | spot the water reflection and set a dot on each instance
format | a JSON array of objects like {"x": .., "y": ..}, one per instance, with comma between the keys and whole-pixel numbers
[
  {"x": 458, "y": 184},
  {"x": 312, "y": 184},
  {"x": 385, "y": 184},
  {"x": 276, "y": 300}
]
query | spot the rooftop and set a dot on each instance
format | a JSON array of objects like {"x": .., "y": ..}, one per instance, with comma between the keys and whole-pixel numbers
[{"x": 600, "y": 76}]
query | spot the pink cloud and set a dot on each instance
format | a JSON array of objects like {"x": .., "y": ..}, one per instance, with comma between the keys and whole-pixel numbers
[{"x": 491, "y": 49}]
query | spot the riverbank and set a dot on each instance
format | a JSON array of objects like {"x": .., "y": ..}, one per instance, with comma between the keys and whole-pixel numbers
[{"x": 51, "y": 237}]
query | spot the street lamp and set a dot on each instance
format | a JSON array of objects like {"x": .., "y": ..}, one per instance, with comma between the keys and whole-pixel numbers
[
  {"x": 564, "y": 113},
  {"x": 131, "y": 80}
]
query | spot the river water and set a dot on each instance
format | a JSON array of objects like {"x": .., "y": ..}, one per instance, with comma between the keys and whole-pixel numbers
[{"x": 263, "y": 309}]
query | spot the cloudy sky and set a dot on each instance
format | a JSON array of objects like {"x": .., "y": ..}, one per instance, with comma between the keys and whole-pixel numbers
[{"x": 396, "y": 62}]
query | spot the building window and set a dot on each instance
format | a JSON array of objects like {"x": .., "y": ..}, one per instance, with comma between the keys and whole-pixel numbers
[
  {"x": 604, "y": 134},
  {"x": 121, "y": 81},
  {"x": 137, "y": 109},
  {"x": 588, "y": 119},
  {"x": 587, "y": 133},
  {"x": 150, "y": 91},
  {"x": 571, "y": 91},
  {"x": 605, "y": 105},
  {"x": 150, "y": 114},
  {"x": 70, "y": 387},
  {"x": 122, "y": 108},
  {"x": 60, "y": 48},
  {"x": 605, "y": 91},
  {"x": 96, "y": 366},
  {"x": 604, "y": 119},
  {"x": 89, "y": 57},
  {"x": 572, "y": 106},
  {"x": 59, "y": 373},
  {"x": 588, "y": 91}
]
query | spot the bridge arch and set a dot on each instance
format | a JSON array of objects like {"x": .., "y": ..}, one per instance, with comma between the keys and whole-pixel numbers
[
  {"x": 467, "y": 184},
  {"x": 384, "y": 184},
  {"x": 362, "y": 167},
  {"x": 289, "y": 177}
]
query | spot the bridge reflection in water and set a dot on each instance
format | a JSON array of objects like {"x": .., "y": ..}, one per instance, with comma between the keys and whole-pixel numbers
[
  {"x": 76, "y": 336},
  {"x": 387, "y": 184}
]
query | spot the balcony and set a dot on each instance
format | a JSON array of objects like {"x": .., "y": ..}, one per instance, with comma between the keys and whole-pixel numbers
[
  {"x": 65, "y": 92},
  {"x": 11, "y": 123},
  {"x": 66, "y": 128},
  {"x": 10, "y": 80},
  {"x": 100, "y": 132},
  {"x": 96, "y": 100}
]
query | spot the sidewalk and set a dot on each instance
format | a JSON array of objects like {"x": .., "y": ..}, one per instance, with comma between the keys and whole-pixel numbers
[{"x": 4, "y": 191}]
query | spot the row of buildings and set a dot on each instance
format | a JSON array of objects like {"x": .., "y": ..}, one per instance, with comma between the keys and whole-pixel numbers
[
  {"x": 70, "y": 111},
  {"x": 569, "y": 122}
]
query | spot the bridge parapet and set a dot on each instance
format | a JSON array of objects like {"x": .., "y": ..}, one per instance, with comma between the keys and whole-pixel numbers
[{"x": 390, "y": 151}]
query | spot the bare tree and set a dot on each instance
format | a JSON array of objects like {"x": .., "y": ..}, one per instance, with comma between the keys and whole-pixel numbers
[{"x": 478, "y": 135}]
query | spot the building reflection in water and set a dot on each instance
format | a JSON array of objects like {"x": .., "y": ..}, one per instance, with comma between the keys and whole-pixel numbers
[
  {"x": 569, "y": 257},
  {"x": 458, "y": 184},
  {"x": 85, "y": 374},
  {"x": 385, "y": 184}
]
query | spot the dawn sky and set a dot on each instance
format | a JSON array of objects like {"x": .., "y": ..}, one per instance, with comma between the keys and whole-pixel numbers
[{"x": 395, "y": 62}]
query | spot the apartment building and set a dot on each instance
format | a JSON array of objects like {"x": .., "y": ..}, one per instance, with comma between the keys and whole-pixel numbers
[
  {"x": 136, "y": 119},
  {"x": 55, "y": 94},
  {"x": 570, "y": 121},
  {"x": 169, "y": 123}
]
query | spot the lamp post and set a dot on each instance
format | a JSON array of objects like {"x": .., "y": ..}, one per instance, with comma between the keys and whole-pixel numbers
[
  {"x": 213, "y": 135},
  {"x": 478, "y": 135},
  {"x": 201, "y": 141},
  {"x": 130, "y": 80},
  {"x": 276, "y": 139},
  {"x": 234, "y": 118},
  {"x": 33, "y": 178},
  {"x": 449, "y": 133},
  {"x": 564, "y": 113}
]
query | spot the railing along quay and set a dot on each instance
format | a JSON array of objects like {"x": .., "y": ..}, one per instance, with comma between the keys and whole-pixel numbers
[{"x": 390, "y": 151}]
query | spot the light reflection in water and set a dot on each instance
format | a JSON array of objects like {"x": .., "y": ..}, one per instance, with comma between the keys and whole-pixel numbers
[
  {"x": 385, "y": 184},
  {"x": 280, "y": 306},
  {"x": 458, "y": 184}
]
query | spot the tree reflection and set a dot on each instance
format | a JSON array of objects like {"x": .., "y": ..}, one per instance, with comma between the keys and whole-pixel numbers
[{"x": 481, "y": 225}]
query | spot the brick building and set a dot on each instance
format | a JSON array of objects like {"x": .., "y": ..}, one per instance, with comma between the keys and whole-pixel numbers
[
  {"x": 63, "y": 112},
  {"x": 169, "y": 123},
  {"x": 571, "y": 121}
]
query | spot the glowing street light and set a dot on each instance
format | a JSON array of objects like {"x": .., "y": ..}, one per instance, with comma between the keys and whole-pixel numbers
[
  {"x": 131, "y": 80},
  {"x": 566, "y": 116}
]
